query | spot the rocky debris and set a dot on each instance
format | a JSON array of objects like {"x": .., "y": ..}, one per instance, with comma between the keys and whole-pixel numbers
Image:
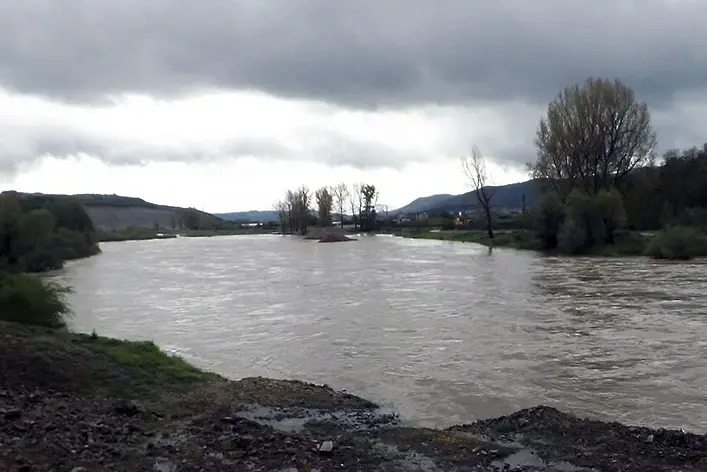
[
  {"x": 326, "y": 447},
  {"x": 557, "y": 436},
  {"x": 58, "y": 431}
]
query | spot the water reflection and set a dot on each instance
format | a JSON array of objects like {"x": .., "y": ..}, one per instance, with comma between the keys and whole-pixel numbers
[{"x": 447, "y": 332}]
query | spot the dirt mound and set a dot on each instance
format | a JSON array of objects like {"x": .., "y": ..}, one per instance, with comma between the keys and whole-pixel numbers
[{"x": 328, "y": 235}]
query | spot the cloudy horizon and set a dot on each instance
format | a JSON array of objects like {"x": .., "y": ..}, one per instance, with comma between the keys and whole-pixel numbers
[{"x": 224, "y": 106}]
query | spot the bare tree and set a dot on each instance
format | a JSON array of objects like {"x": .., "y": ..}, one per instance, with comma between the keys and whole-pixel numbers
[
  {"x": 303, "y": 203},
  {"x": 593, "y": 136},
  {"x": 325, "y": 202},
  {"x": 341, "y": 195},
  {"x": 355, "y": 202},
  {"x": 290, "y": 204},
  {"x": 281, "y": 207},
  {"x": 358, "y": 191},
  {"x": 474, "y": 167}
]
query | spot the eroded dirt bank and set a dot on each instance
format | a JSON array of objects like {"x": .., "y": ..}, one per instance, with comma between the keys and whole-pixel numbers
[{"x": 80, "y": 403}]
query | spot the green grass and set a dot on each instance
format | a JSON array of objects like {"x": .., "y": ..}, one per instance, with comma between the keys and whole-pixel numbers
[
  {"x": 207, "y": 233},
  {"x": 94, "y": 365},
  {"x": 131, "y": 234},
  {"x": 144, "y": 234}
]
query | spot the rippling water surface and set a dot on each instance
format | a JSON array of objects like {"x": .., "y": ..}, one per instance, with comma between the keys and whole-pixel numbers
[{"x": 443, "y": 331}]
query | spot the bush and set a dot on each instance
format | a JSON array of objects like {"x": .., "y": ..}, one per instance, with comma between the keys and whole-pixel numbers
[
  {"x": 549, "y": 217},
  {"x": 42, "y": 260},
  {"x": 573, "y": 237},
  {"x": 677, "y": 242},
  {"x": 29, "y": 299}
]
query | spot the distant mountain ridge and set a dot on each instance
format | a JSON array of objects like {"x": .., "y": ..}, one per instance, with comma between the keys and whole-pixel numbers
[
  {"x": 255, "y": 216},
  {"x": 116, "y": 212},
  {"x": 504, "y": 196},
  {"x": 424, "y": 203}
]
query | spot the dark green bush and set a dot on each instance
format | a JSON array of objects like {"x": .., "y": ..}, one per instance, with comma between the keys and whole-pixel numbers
[
  {"x": 549, "y": 217},
  {"x": 29, "y": 299},
  {"x": 677, "y": 242}
]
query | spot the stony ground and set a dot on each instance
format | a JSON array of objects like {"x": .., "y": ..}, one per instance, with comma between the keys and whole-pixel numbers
[{"x": 77, "y": 403}]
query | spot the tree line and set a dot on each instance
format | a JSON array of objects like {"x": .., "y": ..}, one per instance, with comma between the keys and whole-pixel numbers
[
  {"x": 597, "y": 174},
  {"x": 303, "y": 208},
  {"x": 38, "y": 233}
]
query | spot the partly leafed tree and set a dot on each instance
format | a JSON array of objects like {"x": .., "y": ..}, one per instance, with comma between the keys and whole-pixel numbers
[
  {"x": 367, "y": 214},
  {"x": 325, "y": 202},
  {"x": 474, "y": 167},
  {"x": 341, "y": 196},
  {"x": 593, "y": 136}
]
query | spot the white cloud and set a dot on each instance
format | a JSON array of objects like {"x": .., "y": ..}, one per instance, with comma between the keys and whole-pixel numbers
[
  {"x": 244, "y": 184},
  {"x": 228, "y": 151}
]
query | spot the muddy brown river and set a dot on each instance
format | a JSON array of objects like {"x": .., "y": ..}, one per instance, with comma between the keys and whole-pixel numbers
[{"x": 442, "y": 331}]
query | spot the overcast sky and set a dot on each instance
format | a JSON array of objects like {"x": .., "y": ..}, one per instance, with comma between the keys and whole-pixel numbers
[{"x": 225, "y": 104}]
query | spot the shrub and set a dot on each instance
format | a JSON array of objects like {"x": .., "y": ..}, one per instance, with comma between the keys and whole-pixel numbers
[
  {"x": 573, "y": 237},
  {"x": 29, "y": 299},
  {"x": 677, "y": 242},
  {"x": 549, "y": 218}
]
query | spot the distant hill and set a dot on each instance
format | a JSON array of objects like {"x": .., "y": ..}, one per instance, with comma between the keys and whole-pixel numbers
[
  {"x": 423, "y": 203},
  {"x": 115, "y": 212},
  {"x": 504, "y": 196},
  {"x": 255, "y": 216}
]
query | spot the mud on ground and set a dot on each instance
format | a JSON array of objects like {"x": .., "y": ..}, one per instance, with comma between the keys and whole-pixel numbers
[
  {"x": 78, "y": 403},
  {"x": 221, "y": 428}
]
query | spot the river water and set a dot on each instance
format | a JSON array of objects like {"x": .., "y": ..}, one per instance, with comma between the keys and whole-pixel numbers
[{"x": 443, "y": 331}]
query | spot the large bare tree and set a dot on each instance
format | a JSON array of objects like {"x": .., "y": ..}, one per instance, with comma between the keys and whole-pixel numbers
[
  {"x": 593, "y": 136},
  {"x": 474, "y": 167},
  {"x": 355, "y": 202}
]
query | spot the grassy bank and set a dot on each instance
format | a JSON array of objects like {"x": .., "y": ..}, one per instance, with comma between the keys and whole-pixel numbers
[
  {"x": 207, "y": 233},
  {"x": 144, "y": 234},
  {"x": 628, "y": 243},
  {"x": 94, "y": 366},
  {"x": 132, "y": 234}
]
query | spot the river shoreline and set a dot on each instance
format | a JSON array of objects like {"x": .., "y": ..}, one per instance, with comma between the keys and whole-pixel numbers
[
  {"x": 628, "y": 243},
  {"x": 82, "y": 403}
]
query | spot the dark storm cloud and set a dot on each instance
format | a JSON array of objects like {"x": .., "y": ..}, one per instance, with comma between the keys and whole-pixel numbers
[{"x": 360, "y": 53}]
